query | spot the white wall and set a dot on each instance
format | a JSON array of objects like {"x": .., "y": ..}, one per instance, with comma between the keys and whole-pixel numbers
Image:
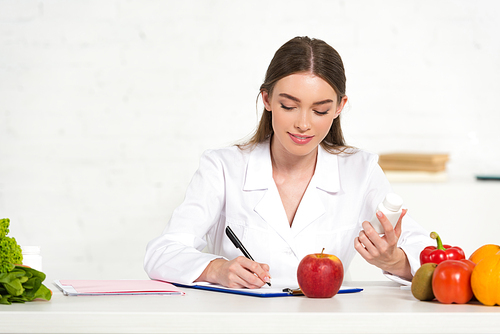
[{"x": 106, "y": 106}]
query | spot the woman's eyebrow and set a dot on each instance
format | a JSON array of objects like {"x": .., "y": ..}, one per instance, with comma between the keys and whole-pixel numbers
[
  {"x": 322, "y": 102},
  {"x": 293, "y": 98}
]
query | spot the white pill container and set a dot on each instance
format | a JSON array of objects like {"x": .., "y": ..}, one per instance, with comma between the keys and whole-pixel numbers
[
  {"x": 32, "y": 257},
  {"x": 392, "y": 207}
]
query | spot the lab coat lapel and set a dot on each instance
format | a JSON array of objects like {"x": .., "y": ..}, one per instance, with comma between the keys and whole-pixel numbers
[
  {"x": 271, "y": 209},
  {"x": 259, "y": 177},
  {"x": 310, "y": 208},
  {"x": 325, "y": 179}
]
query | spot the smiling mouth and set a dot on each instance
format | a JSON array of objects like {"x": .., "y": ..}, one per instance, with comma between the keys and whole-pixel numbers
[
  {"x": 300, "y": 137},
  {"x": 300, "y": 140}
]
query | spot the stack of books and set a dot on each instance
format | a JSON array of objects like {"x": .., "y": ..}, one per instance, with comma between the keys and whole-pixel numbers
[{"x": 414, "y": 167}]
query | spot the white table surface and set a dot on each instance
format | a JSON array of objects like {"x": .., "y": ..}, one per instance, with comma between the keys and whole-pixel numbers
[{"x": 381, "y": 308}]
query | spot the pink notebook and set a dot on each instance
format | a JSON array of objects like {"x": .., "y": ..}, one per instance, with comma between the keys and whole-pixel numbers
[{"x": 116, "y": 287}]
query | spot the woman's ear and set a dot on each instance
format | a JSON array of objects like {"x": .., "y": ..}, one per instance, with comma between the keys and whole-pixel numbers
[
  {"x": 265, "y": 99},
  {"x": 341, "y": 106}
]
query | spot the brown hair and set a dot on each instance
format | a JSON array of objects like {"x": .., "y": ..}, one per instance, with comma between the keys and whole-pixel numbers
[{"x": 303, "y": 54}]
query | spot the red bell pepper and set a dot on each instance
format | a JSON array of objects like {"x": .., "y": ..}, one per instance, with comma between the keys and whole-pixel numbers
[
  {"x": 451, "y": 281},
  {"x": 438, "y": 254}
]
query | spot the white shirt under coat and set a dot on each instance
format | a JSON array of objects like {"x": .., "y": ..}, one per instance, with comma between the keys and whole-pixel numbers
[{"x": 235, "y": 188}]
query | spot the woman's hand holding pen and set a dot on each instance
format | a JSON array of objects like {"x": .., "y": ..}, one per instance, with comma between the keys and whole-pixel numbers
[
  {"x": 383, "y": 251},
  {"x": 237, "y": 273}
]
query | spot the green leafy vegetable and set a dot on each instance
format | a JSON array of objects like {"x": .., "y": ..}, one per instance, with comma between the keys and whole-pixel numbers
[
  {"x": 10, "y": 251},
  {"x": 18, "y": 284},
  {"x": 23, "y": 284},
  {"x": 4, "y": 227}
]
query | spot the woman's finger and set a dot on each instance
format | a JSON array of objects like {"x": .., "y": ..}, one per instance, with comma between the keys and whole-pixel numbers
[
  {"x": 257, "y": 270},
  {"x": 392, "y": 234},
  {"x": 360, "y": 248},
  {"x": 397, "y": 228},
  {"x": 369, "y": 245},
  {"x": 375, "y": 240},
  {"x": 251, "y": 272}
]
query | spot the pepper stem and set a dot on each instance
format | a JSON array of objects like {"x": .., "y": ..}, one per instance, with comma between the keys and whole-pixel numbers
[{"x": 436, "y": 236}]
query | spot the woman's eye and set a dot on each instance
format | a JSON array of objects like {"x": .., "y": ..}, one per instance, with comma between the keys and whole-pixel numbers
[
  {"x": 321, "y": 112},
  {"x": 285, "y": 107}
]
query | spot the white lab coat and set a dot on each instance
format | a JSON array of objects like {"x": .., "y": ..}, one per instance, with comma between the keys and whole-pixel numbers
[{"x": 235, "y": 188}]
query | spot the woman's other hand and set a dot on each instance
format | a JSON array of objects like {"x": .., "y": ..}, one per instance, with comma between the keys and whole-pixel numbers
[
  {"x": 237, "y": 274},
  {"x": 382, "y": 251}
]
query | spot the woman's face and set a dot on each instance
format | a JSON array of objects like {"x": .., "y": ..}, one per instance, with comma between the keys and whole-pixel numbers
[{"x": 303, "y": 108}]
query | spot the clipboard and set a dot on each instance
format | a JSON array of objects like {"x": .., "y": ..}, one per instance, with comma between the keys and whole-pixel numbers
[
  {"x": 264, "y": 292},
  {"x": 116, "y": 287}
]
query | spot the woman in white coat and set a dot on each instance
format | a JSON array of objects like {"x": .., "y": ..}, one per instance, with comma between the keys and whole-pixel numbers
[{"x": 293, "y": 189}]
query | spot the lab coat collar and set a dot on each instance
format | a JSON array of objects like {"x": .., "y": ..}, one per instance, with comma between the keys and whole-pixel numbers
[
  {"x": 259, "y": 177},
  {"x": 327, "y": 171},
  {"x": 259, "y": 173},
  {"x": 270, "y": 207}
]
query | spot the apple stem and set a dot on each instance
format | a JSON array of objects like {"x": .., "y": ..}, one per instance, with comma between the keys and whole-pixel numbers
[{"x": 322, "y": 251}]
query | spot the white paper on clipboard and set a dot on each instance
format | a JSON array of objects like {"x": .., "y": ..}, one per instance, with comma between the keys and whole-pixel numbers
[{"x": 116, "y": 287}]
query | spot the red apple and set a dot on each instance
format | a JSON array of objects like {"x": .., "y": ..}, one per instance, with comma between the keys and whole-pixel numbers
[{"x": 320, "y": 275}]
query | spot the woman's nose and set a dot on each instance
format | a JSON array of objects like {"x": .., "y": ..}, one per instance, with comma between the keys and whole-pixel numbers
[{"x": 303, "y": 121}]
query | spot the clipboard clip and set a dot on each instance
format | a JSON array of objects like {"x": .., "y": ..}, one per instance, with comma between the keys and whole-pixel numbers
[{"x": 293, "y": 292}]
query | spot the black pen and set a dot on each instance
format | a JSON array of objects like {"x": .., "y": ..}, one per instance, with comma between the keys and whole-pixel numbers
[{"x": 237, "y": 243}]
